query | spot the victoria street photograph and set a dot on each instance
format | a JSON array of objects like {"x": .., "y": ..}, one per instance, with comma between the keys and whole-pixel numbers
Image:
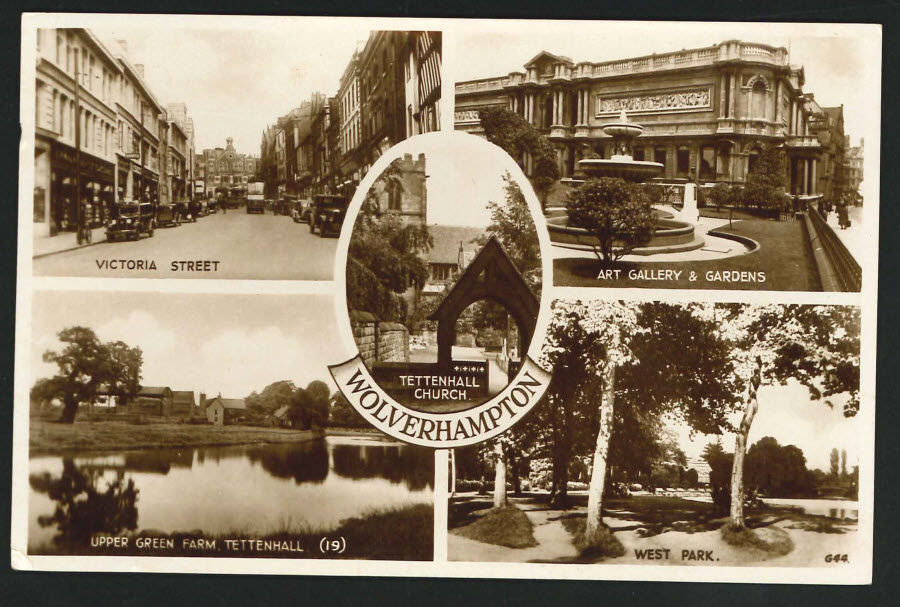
[
  {"x": 207, "y": 425},
  {"x": 444, "y": 276},
  {"x": 709, "y": 156},
  {"x": 676, "y": 434},
  {"x": 215, "y": 152}
]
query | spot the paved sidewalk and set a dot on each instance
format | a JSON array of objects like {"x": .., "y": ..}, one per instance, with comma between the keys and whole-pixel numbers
[
  {"x": 64, "y": 241},
  {"x": 854, "y": 237}
]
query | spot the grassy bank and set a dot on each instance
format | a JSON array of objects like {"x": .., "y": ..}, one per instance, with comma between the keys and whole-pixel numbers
[
  {"x": 405, "y": 533},
  {"x": 507, "y": 526},
  {"x": 47, "y": 437}
]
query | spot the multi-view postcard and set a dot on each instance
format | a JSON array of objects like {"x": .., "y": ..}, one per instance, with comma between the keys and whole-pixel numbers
[{"x": 400, "y": 297}]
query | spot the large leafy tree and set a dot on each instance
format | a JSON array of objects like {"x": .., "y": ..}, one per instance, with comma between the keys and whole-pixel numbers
[
  {"x": 766, "y": 182},
  {"x": 510, "y": 131},
  {"x": 816, "y": 346},
  {"x": 615, "y": 212},
  {"x": 273, "y": 397},
  {"x": 85, "y": 364},
  {"x": 659, "y": 359}
]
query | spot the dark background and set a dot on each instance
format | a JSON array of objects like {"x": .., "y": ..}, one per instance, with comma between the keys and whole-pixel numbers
[{"x": 26, "y": 588}]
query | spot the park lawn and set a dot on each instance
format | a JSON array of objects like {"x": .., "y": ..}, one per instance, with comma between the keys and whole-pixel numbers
[
  {"x": 404, "y": 533},
  {"x": 785, "y": 256},
  {"x": 47, "y": 437},
  {"x": 507, "y": 526}
]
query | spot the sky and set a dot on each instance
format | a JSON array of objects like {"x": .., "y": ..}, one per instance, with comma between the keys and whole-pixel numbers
[
  {"x": 787, "y": 414},
  {"x": 835, "y": 63},
  {"x": 463, "y": 175},
  {"x": 233, "y": 344},
  {"x": 235, "y": 82}
]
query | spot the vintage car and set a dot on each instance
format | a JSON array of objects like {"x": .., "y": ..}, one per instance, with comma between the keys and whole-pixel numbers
[
  {"x": 185, "y": 212},
  {"x": 196, "y": 209},
  {"x": 168, "y": 215},
  {"x": 327, "y": 214},
  {"x": 129, "y": 220},
  {"x": 301, "y": 211}
]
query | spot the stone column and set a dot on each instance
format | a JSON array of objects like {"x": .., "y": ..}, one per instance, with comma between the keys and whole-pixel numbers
[
  {"x": 733, "y": 77},
  {"x": 723, "y": 83},
  {"x": 804, "y": 188},
  {"x": 778, "y": 103},
  {"x": 580, "y": 119},
  {"x": 815, "y": 185}
]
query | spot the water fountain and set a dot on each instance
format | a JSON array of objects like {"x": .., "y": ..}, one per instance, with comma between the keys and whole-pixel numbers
[{"x": 670, "y": 236}]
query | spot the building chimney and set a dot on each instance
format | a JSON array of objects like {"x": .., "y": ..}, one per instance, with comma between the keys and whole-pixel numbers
[
  {"x": 203, "y": 403},
  {"x": 139, "y": 68},
  {"x": 124, "y": 45}
]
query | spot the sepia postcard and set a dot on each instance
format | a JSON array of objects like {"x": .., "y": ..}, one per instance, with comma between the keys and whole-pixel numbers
[{"x": 447, "y": 298}]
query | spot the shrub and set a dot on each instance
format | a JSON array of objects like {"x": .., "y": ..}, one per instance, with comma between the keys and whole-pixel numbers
[
  {"x": 722, "y": 195},
  {"x": 616, "y": 212}
]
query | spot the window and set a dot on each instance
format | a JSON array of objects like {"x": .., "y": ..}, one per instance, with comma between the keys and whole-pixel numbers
[
  {"x": 682, "y": 161},
  {"x": 708, "y": 162},
  {"x": 758, "y": 100},
  {"x": 659, "y": 155}
]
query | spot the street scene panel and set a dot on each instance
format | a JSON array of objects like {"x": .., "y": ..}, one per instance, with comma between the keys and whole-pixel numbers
[
  {"x": 728, "y": 164},
  {"x": 676, "y": 434},
  {"x": 207, "y": 425},
  {"x": 444, "y": 276},
  {"x": 234, "y": 177}
]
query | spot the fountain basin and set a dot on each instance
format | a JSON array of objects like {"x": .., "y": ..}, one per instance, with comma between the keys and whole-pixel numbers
[
  {"x": 670, "y": 236},
  {"x": 630, "y": 170}
]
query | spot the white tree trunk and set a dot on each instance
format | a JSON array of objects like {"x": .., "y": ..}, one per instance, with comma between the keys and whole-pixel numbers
[
  {"x": 500, "y": 478},
  {"x": 601, "y": 451},
  {"x": 740, "y": 448}
]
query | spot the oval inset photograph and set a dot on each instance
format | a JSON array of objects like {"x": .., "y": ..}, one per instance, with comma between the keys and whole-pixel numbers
[{"x": 444, "y": 274}]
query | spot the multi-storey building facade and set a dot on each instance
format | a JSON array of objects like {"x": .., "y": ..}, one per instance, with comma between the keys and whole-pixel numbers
[
  {"x": 137, "y": 144},
  {"x": 422, "y": 77},
  {"x": 707, "y": 112},
  {"x": 853, "y": 165},
  {"x": 225, "y": 167},
  {"x": 349, "y": 117},
  {"x": 382, "y": 94},
  {"x": 76, "y": 88},
  {"x": 178, "y": 113}
]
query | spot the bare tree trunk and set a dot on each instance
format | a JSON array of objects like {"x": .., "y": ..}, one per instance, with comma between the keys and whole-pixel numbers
[
  {"x": 500, "y": 478},
  {"x": 594, "y": 523},
  {"x": 740, "y": 448}
]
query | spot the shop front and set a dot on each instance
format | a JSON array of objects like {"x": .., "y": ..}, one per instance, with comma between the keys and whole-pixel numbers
[{"x": 95, "y": 188}]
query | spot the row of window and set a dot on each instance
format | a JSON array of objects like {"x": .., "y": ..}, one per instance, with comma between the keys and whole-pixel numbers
[{"x": 95, "y": 132}]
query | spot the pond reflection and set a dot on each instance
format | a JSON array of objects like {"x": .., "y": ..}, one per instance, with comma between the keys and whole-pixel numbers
[{"x": 253, "y": 489}]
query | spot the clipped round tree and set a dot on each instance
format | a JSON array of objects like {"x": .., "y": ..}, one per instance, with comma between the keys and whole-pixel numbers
[{"x": 616, "y": 213}]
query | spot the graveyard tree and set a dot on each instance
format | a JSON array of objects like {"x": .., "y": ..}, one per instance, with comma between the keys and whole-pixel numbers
[
  {"x": 816, "y": 346},
  {"x": 85, "y": 363},
  {"x": 517, "y": 137},
  {"x": 679, "y": 372},
  {"x": 616, "y": 213}
]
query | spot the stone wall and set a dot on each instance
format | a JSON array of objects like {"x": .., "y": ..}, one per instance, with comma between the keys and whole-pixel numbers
[{"x": 379, "y": 341}]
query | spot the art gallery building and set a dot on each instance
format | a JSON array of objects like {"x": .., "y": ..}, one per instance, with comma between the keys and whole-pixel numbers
[{"x": 707, "y": 112}]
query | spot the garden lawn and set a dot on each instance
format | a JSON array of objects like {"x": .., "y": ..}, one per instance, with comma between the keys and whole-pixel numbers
[{"x": 785, "y": 257}]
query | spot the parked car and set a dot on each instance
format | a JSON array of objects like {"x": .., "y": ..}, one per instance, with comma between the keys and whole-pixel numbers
[
  {"x": 168, "y": 215},
  {"x": 301, "y": 211},
  {"x": 327, "y": 214},
  {"x": 129, "y": 220},
  {"x": 185, "y": 211},
  {"x": 196, "y": 209}
]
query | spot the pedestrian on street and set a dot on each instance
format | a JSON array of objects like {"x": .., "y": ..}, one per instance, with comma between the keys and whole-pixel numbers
[{"x": 843, "y": 215}]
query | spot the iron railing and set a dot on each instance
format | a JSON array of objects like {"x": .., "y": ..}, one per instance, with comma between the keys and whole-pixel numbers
[{"x": 847, "y": 271}]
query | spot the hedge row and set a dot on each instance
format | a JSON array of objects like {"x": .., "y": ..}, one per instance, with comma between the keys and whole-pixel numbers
[{"x": 365, "y": 292}]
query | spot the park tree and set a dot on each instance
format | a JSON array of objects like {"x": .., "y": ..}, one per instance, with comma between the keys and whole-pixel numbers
[
  {"x": 616, "y": 213},
  {"x": 84, "y": 364},
  {"x": 517, "y": 137},
  {"x": 843, "y": 463},
  {"x": 834, "y": 462},
  {"x": 778, "y": 470},
  {"x": 680, "y": 373},
  {"x": 816, "y": 346},
  {"x": 343, "y": 414}
]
